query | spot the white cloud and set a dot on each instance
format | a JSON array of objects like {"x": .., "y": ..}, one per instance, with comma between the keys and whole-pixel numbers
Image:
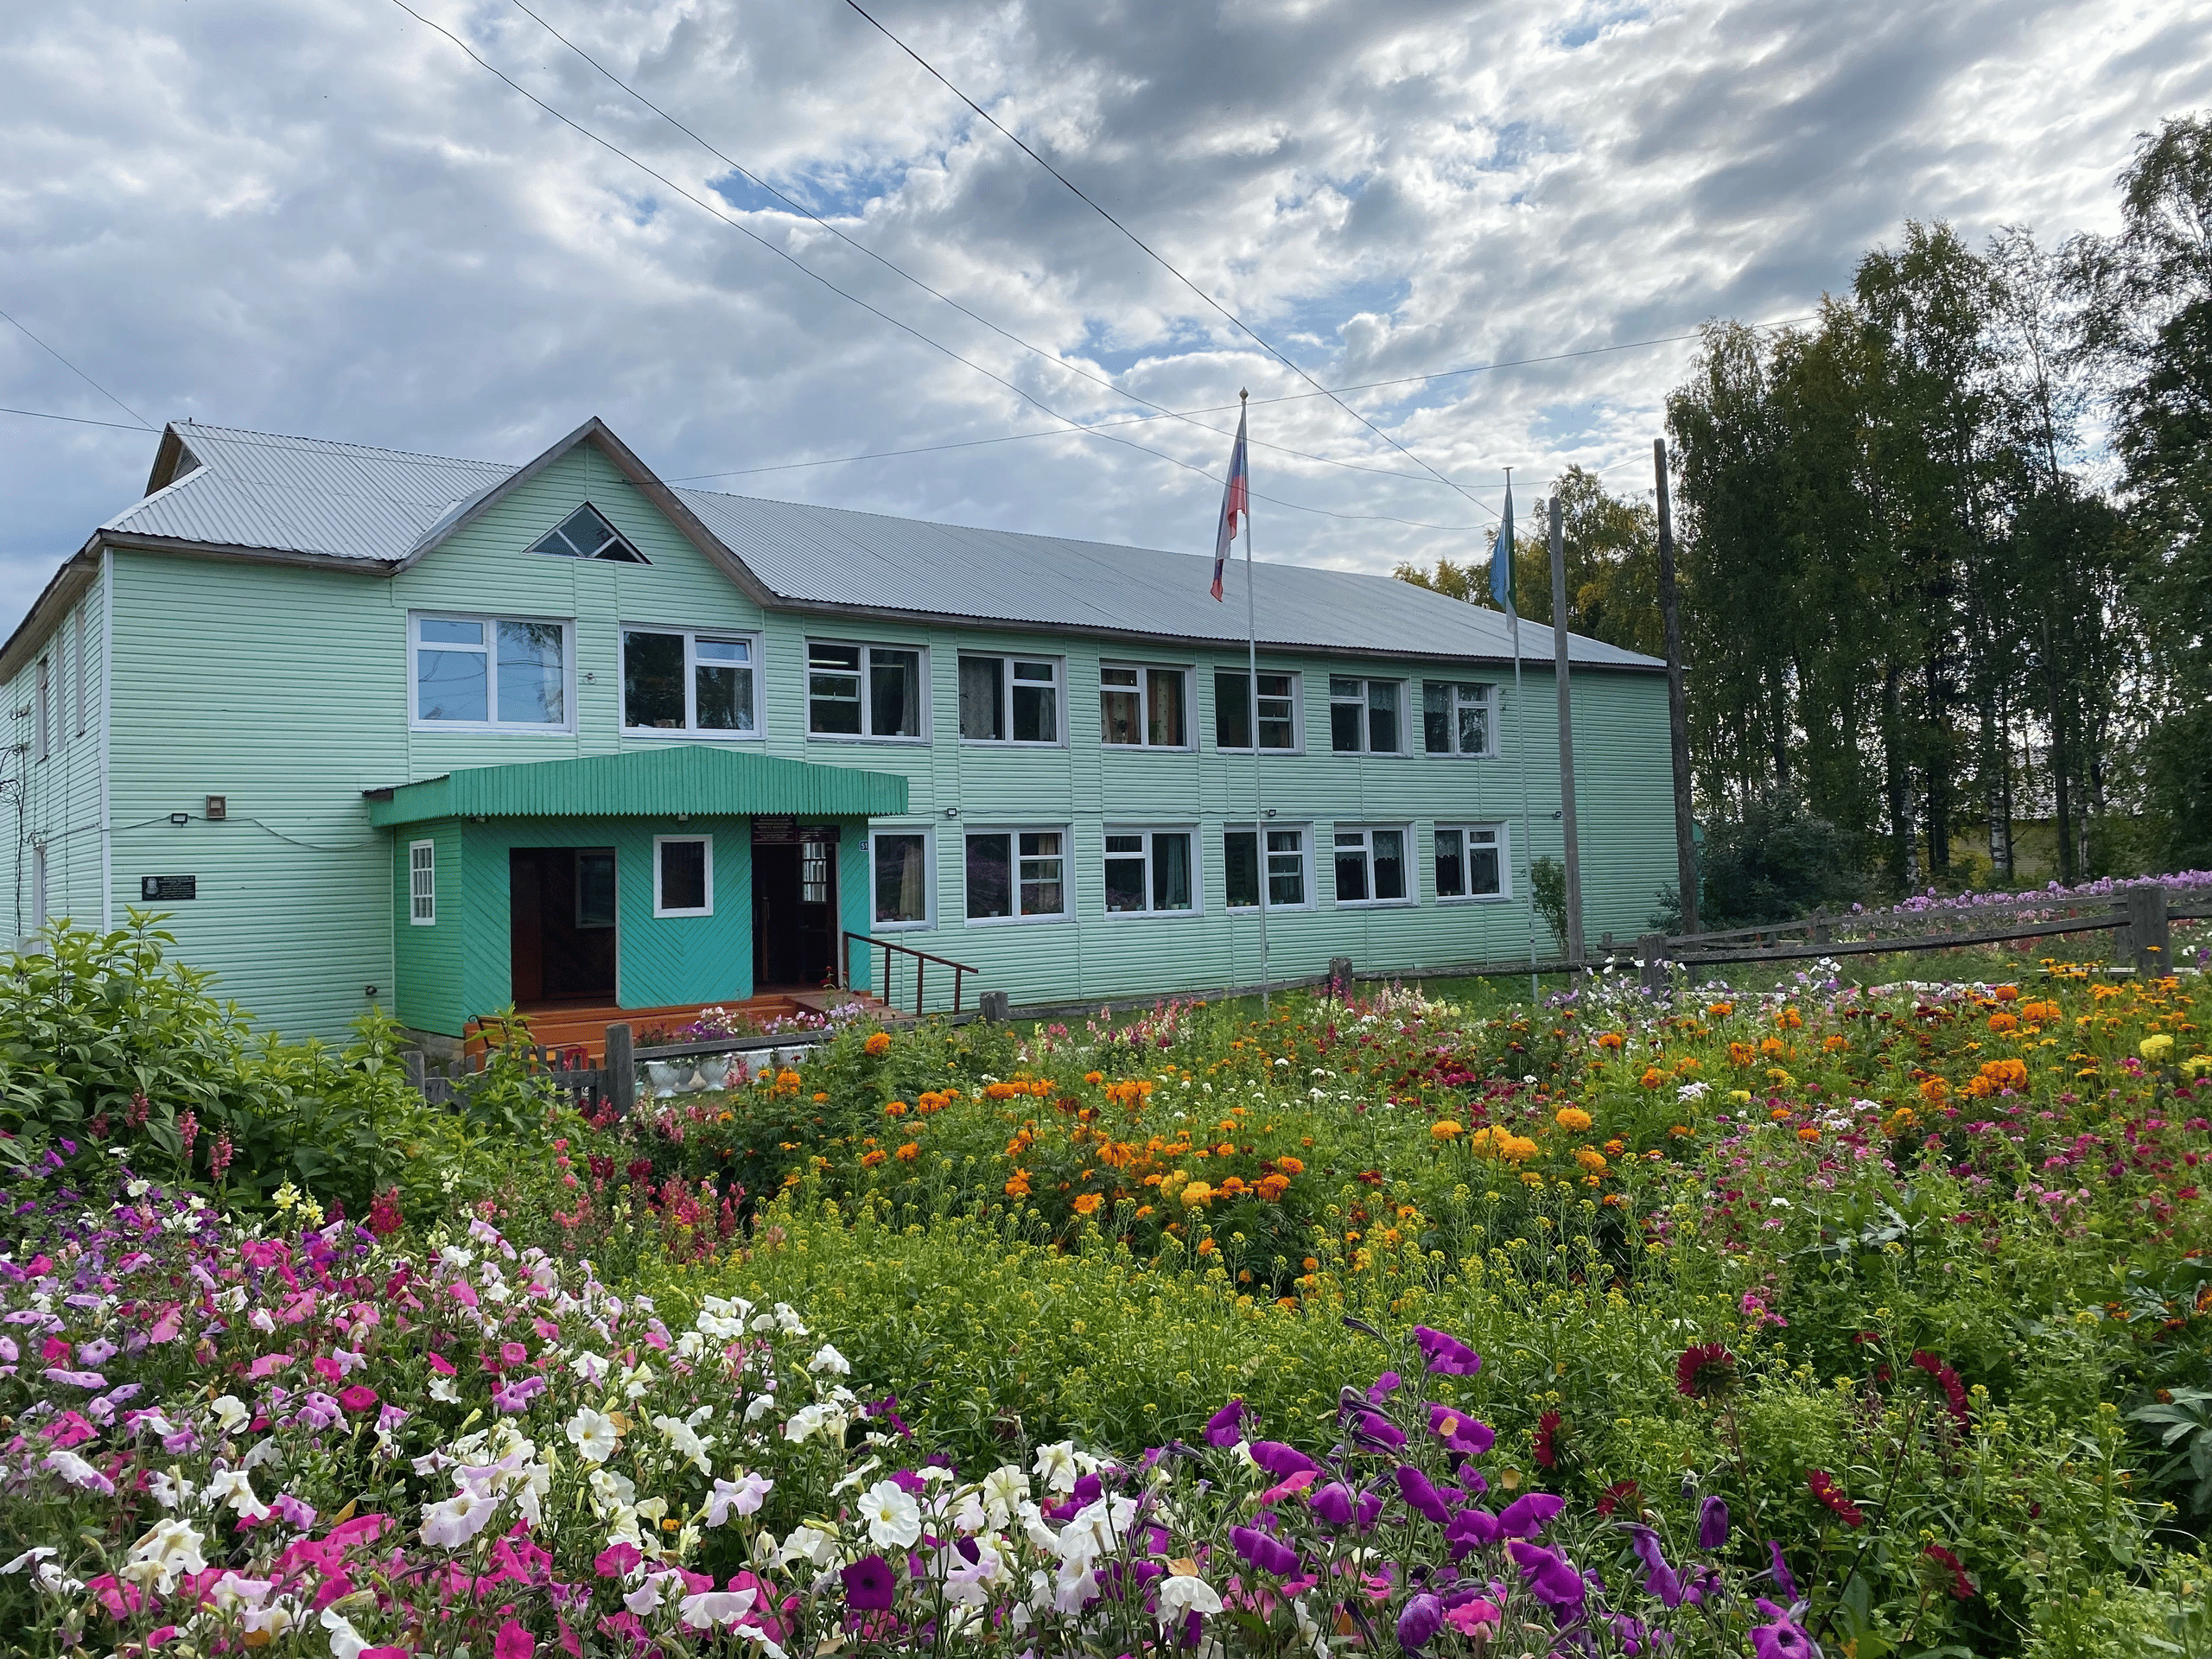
[{"x": 321, "y": 218}]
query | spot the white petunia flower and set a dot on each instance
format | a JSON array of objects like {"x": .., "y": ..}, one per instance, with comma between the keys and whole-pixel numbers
[
  {"x": 827, "y": 1358},
  {"x": 893, "y": 1519},
  {"x": 454, "y": 1520},
  {"x": 593, "y": 1433},
  {"x": 235, "y": 1488},
  {"x": 687, "y": 1442},
  {"x": 712, "y": 1607},
  {"x": 741, "y": 1497},
  {"x": 1056, "y": 1465},
  {"x": 164, "y": 1554},
  {"x": 1180, "y": 1595},
  {"x": 231, "y": 1411},
  {"x": 809, "y": 1543}
]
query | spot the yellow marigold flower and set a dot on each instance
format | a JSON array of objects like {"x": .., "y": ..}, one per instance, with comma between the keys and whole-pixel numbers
[
  {"x": 2155, "y": 1049},
  {"x": 1572, "y": 1117},
  {"x": 1195, "y": 1194},
  {"x": 1591, "y": 1159},
  {"x": 1444, "y": 1129}
]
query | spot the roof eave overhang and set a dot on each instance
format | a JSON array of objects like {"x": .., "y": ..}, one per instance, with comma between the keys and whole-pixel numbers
[
  {"x": 648, "y": 484},
  {"x": 78, "y": 572},
  {"x": 1171, "y": 641}
]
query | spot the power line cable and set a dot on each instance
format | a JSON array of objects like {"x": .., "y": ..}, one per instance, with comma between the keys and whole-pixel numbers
[
  {"x": 1161, "y": 261},
  {"x": 1049, "y": 355},
  {"x": 74, "y": 420},
  {"x": 904, "y": 327},
  {"x": 82, "y": 376}
]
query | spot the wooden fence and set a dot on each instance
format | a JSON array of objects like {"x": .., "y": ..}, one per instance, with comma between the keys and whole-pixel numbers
[
  {"x": 673, "y": 1068},
  {"x": 2139, "y": 919}
]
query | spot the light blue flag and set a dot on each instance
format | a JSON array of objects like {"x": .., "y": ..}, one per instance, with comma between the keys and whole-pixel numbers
[{"x": 1501, "y": 558}]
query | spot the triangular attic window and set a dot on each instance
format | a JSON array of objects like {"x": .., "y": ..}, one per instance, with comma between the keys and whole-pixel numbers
[{"x": 585, "y": 535}]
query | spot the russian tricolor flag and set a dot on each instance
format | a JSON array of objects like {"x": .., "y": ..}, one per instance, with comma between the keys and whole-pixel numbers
[{"x": 1235, "y": 503}]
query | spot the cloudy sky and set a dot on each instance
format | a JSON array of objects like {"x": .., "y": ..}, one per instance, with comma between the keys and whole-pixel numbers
[{"x": 322, "y": 217}]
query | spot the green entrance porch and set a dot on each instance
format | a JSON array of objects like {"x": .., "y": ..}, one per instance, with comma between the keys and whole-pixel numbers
[{"x": 648, "y": 879}]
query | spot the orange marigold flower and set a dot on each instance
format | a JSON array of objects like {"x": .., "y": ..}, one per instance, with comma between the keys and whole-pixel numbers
[
  {"x": 1652, "y": 1078},
  {"x": 2006, "y": 993},
  {"x": 1720, "y": 1010},
  {"x": 1272, "y": 1187},
  {"x": 1444, "y": 1129},
  {"x": 1611, "y": 1040},
  {"x": 1809, "y": 1133},
  {"x": 1017, "y": 1185},
  {"x": 1591, "y": 1159},
  {"x": 1779, "y": 1115},
  {"x": 879, "y": 1042},
  {"x": 1312, "y": 1264},
  {"x": 2001, "y": 1023},
  {"x": 1086, "y": 1204},
  {"x": 870, "y": 1159},
  {"x": 821, "y": 1097},
  {"x": 1833, "y": 1044},
  {"x": 1935, "y": 1091},
  {"x": 1742, "y": 1054},
  {"x": 1207, "y": 1247},
  {"x": 907, "y": 1153},
  {"x": 896, "y": 1109},
  {"x": 1574, "y": 1118},
  {"x": 1094, "y": 1078},
  {"x": 1290, "y": 1165}
]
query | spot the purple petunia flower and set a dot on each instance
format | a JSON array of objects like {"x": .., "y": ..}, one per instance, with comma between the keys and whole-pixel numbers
[
  {"x": 1659, "y": 1578},
  {"x": 1783, "y": 1581},
  {"x": 1371, "y": 1505},
  {"x": 1225, "y": 1426},
  {"x": 1378, "y": 1433},
  {"x": 1332, "y": 1505},
  {"x": 1551, "y": 1577},
  {"x": 1279, "y": 1460},
  {"x": 1446, "y": 1354},
  {"x": 1421, "y": 1496},
  {"x": 1460, "y": 1430},
  {"x": 1264, "y": 1553},
  {"x": 1470, "y": 1529},
  {"x": 1418, "y": 1624},
  {"x": 1782, "y": 1639},
  {"x": 1383, "y": 1386},
  {"x": 1528, "y": 1514},
  {"x": 868, "y": 1585},
  {"x": 1712, "y": 1524}
]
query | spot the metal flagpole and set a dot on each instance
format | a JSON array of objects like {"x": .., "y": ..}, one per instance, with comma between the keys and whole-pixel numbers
[
  {"x": 1252, "y": 689},
  {"x": 1521, "y": 736}
]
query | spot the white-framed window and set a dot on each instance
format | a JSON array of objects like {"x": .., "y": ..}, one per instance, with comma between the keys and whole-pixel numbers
[
  {"x": 866, "y": 691},
  {"x": 45, "y": 731},
  {"x": 1458, "y": 717},
  {"x": 1471, "y": 861},
  {"x": 1289, "y": 884},
  {"x": 1140, "y": 706},
  {"x": 585, "y": 534},
  {"x": 902, "y": 877},
  {"x": 701, "y": 684},
  {"x": 683, "y": 875},
  {"x": 1365, "y": 715},
  {"x": 1017, "y": 875},
  {"x": 1371, "y": 867},
  {"x": 423, "y": 883},
  {"x": 499, "y": 673},
  {"x": 1150, "y": 872},
  {"x": 84, "y": 668},
  {"x": 1280, "y": 721},
  {"x": 1009, "y": 699}
]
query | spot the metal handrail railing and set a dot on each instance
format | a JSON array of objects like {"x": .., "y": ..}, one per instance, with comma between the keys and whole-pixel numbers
[{"x": 922, "y": 958}]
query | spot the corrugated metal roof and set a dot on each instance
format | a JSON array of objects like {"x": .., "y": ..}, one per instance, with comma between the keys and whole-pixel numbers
[
  {"x": 264, "y": 490},
  {"x": 697, "y": 778}
]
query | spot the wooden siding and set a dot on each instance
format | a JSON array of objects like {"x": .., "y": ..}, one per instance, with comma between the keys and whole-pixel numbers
[
  {"x": 287, "y": 690},
  {"x": 428, "y": 991},
  {"x": 61, "y": 791}
]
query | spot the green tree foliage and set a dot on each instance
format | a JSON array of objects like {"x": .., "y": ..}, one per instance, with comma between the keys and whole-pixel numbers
[
  {"x": 2146, "y": 323},
  {"x": 1775, "y": 861},
  {"x": 1941, "y": 633},
  {"x": 1611, "y": 548}
]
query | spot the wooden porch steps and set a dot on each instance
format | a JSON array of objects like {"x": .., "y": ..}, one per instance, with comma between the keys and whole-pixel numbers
[{"x": 573, "y": 1025}]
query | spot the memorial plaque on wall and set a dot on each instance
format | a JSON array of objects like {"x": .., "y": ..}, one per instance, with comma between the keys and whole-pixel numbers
[{"x": 168, "y": 886}]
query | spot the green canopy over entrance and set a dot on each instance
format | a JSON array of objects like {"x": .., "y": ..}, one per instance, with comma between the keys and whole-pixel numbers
[{"x": 690, "y": 779}]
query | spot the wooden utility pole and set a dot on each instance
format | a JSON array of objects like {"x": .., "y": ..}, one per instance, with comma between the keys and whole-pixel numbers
[
  {"x": 1566, "y": 740},
  {"x": 1678, "y": 710}
]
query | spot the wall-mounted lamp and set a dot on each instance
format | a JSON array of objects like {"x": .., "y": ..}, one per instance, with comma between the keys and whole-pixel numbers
[
  {"x": 180, "y": 819},
  {"x": 1270, "y": 813},
  {"x": 368, "y": 990},
  {"x": 683, "y": 817},
  {"x": 951, "y": 811}
]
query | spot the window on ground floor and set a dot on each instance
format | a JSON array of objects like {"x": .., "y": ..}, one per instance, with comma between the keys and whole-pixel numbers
[
  {"x": 1471, "y": 861},
  {"x": 1148, "y": 870},
  {"x": 1287, "y": 877},
  {"x": 423, "y": 883},
  {"x": 1017, "y": 875},
  {"x": 1371, "y": 867},
  {"x": 899, "y": 865},
  {"x": 683, "y": 875}
]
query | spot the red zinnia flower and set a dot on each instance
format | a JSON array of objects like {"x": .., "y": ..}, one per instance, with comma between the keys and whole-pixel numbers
[
  {"x": 1962, "y": 1585},
  {"x": 1546, "y": 1447},
  {"x": 1825, "y": 1489},
  {"x": 1954, "y": 1392},
  {"x": 1620, "y": 1493},
  {"x": 1706, "y": 1371}
]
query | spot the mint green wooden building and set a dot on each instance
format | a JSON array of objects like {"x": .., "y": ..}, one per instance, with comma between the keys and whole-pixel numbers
[{"x": 376, "y": 727}]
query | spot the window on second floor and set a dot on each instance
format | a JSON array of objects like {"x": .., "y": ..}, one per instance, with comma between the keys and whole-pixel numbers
[
  {"x": 684, "y": 682},
  {"x": 1009, "y": 699},
  {"x": 511, "y": 672},
  {"x": 863, "y": 690},
  {"x": 1143, "y": 707},
  {"x": 1458, "y": 718},
  {"x": 1232, "y": 710},
  {"x": 1363, "y": 715},
  {"x": 585, "y": 534}
]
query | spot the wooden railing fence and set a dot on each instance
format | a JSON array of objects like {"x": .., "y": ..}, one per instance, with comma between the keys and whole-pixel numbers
[{"x": 894, "y": 951}]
